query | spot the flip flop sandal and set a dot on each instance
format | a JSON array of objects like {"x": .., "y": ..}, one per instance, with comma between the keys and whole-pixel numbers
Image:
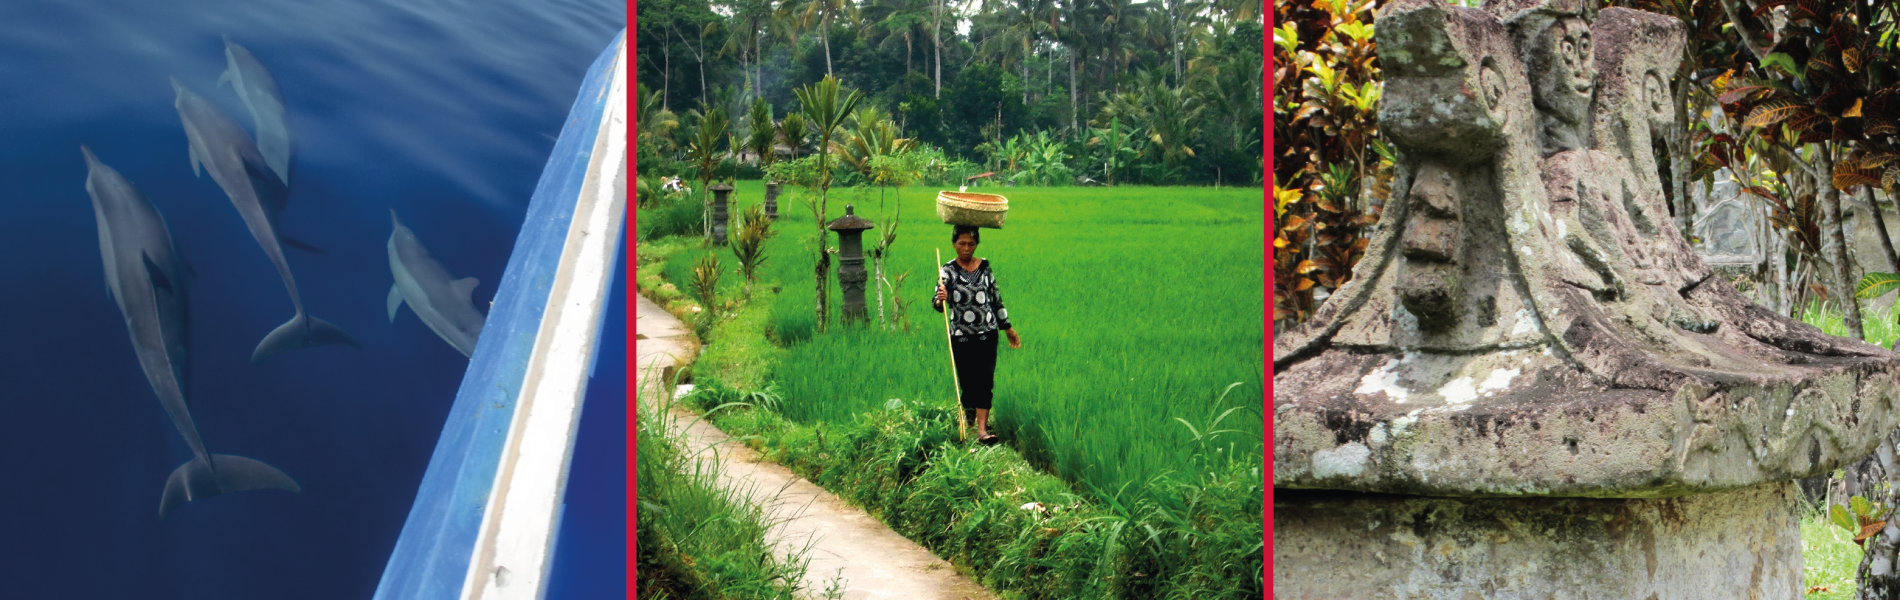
[{"x": 989, "y": 440}]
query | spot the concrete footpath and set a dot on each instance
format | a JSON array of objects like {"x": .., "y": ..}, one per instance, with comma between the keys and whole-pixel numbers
[{"x": 848, "y": 548}]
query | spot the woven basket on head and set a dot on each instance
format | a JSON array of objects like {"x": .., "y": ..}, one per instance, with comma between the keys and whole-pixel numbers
[{"x": 977, "y": 210}]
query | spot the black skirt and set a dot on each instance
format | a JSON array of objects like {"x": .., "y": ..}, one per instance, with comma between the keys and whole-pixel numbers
[{"x": 976, "y": 368}]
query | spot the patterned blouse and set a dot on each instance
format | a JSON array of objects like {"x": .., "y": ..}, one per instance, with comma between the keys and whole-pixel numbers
[{"x": 976, "y": 307}]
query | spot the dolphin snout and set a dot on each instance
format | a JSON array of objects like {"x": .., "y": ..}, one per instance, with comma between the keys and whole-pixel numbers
[{"x": 90, "y": 159}]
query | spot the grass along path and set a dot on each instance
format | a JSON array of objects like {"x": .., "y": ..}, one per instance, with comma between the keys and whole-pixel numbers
[{"x": 699, "y": 536}]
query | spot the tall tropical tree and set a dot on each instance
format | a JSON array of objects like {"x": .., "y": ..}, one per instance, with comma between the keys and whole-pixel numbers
[
  {"x": 827, "y": 104},
  {"x": 1178, "y": 19},
  {"x": 807, "y": 15},
  {"x": 751, "y": 19},
  {"x": 1018, "y": 26},
  {"x": 898, "y": 20}
]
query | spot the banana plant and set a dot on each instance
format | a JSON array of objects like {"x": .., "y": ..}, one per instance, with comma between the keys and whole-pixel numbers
[{"x": 1117, "y": 150}]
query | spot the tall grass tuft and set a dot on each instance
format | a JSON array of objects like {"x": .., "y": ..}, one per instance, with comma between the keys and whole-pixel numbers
[
  {"x": 698, "y": 540},
  {"x": 749, "y": 245},
  {"x": 1880, "y": 331},
  {"x": 706, "y": 290}
]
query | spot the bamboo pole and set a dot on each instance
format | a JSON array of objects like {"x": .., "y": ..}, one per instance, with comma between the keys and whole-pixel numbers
[{"x": 962, "y": 423}]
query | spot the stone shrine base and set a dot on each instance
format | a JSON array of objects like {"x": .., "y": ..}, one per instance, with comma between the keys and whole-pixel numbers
[{"x": 1742, "y": 544}]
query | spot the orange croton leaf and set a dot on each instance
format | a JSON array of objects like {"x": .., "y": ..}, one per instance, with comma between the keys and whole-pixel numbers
[
  {"x": 1868, "y": 531},
  {"x": 1772, "y": 112}
]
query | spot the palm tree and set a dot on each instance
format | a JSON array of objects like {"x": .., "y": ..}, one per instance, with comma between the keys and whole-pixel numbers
[
  {"x": 1063, "y": 30},
  {"x": 1112, "y": 25},
  {"x": 903, "y": 19},
  {"x": 816, "y": 14},
  {"x": 827, "y": 106},
  {"x": 750, "y": 18},
  {"x": 1018, "y": 26},
  {"x": 1177, "y": 18}
]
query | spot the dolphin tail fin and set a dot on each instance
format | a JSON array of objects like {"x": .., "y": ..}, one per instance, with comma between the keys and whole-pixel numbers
[
  {"x": 195, "y": 479},
  {"x": 302, "y": 331}
]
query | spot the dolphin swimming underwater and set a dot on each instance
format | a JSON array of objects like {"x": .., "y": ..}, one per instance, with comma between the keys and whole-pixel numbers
[
  {"x": 219, "y": 145},
  {"x": 442, "y": 303},
  {"x": 146, "y": 279},
  {"x": 255, "y": 86}
]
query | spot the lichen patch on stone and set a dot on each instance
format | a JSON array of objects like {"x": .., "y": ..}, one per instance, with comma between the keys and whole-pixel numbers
[
  {"x": 1348, "y": 460},
  {"x": 1384, "y": 379},
  {"x": 1459, "y": 391},
  {"x": 1500, "y": 379},
  {"x": 1526, "y": 323}
]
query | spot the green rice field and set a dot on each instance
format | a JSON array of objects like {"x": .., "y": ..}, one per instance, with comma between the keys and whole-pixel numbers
[{"x": 1138, "y": 307}]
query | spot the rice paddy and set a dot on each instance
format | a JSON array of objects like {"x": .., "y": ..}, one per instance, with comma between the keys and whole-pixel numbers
[{"x": 1138, "y": 309}]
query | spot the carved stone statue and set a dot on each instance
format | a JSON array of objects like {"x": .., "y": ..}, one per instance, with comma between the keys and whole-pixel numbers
[{"x": 1533, "y": 385}]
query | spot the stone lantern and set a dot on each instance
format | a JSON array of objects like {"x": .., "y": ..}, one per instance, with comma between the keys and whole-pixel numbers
[
  {"x": 719, "y": 215},
  {"x": 771, "y": 200},
  {"x": 1532, "y": 387},
  {"x": 851, "y": 275}
]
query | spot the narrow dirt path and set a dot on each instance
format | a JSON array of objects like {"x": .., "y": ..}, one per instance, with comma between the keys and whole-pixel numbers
[{"x": 845, "y": 543}]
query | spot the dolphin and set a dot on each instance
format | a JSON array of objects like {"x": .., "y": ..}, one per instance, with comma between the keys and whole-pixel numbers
[
  {"x": 255, "y": 86},
  {"x": 443, "y": 304},
  {"x": 219, "y": 145},
  {"x": 146, "y": 279}
]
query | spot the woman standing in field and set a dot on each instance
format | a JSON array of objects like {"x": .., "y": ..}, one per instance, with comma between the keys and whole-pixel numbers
[{"x": 976, "y": 314}]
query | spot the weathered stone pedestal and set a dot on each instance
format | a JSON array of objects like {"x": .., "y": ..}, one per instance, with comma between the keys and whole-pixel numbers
[
  {"x": 771, "y": 200},
  {"x": 851, "y": 273},
  {"x": 1739, "y": 544},
  {"x": 720, "y": 215},
  {"x": 1533, "y": 387}
]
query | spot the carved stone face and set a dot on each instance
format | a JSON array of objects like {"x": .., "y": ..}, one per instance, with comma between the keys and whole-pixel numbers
[{"x": 1563, "y": 68}]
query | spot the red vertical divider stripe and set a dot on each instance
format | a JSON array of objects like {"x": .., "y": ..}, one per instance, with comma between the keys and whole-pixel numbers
[
  {"x": 1266, "y": 312},
  {"x": 633, "y": 304}
]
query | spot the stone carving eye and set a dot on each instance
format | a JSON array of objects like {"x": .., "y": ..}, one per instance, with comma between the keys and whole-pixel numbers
[{"x": 1569, "y": 52}]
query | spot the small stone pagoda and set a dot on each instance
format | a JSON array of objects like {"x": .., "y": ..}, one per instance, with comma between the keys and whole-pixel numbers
[{"x": 1533, "y": 387}]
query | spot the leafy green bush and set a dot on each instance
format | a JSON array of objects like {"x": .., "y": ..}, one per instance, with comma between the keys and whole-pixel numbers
[{"x": 681, "y": 216}]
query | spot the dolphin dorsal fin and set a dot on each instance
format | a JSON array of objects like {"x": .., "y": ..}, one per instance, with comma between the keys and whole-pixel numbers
[
  {"x": 159, "y": 280},
  {"x": 395, "y": 301},
  {"x": 225, "y": 79},
  {"x": 464, "y": 288},
  {"x": 197, "y": 169}
]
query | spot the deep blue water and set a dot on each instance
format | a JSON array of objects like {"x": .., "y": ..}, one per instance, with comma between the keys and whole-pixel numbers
[{"x": 444, "y": 111}]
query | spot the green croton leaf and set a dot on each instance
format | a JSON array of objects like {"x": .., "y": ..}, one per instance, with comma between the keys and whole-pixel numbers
[{"x": 1875, "y": 285}]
